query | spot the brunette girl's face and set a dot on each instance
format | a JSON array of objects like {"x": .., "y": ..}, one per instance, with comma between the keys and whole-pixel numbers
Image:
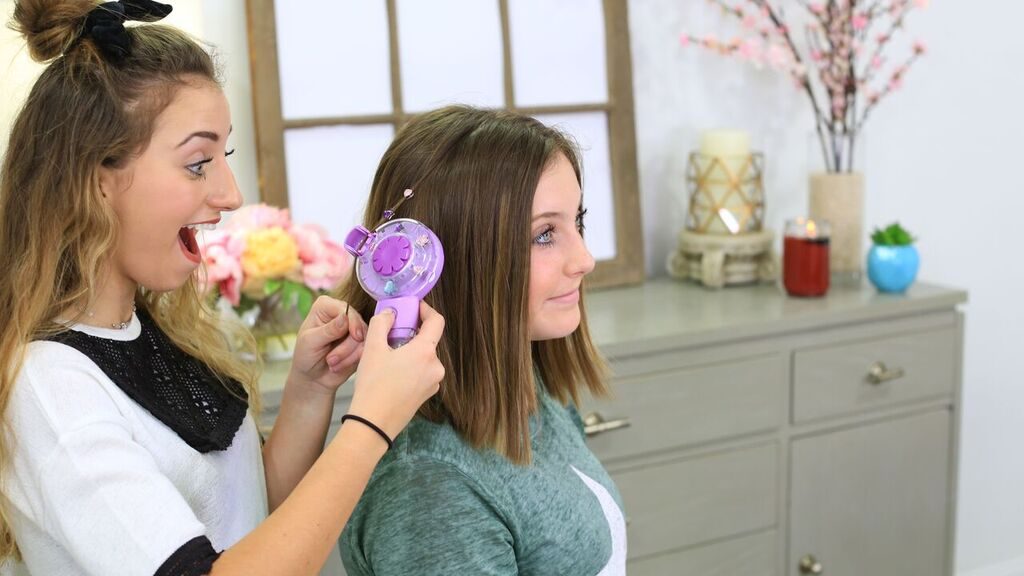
[
  {"x": 559, "y": 258},
  {"x": 180, "y": 184}
]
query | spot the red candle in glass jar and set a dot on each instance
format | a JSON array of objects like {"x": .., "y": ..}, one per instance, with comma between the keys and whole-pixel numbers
[{"x": 805, "y": 257}]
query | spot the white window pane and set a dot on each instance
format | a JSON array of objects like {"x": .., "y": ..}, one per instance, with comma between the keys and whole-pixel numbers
[
  {"x": 450, "y": 52},
  {"x": 333, "y": 58},
  {"x": 558, "y": 52},
  {"x": 590, "y": 129},
  {"x": 330, "y": 171}
]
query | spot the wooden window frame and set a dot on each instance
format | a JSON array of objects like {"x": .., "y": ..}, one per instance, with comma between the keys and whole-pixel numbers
[{"x": 627, "y": 267}]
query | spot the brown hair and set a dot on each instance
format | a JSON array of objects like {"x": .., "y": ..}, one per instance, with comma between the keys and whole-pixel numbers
[
  {"x": 82, "y": 113},
  {"x": 475, "y": 173}
]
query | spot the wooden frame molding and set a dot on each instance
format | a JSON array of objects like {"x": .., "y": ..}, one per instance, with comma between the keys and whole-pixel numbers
[
  {"x": 266, "y": 102},
  {"x": 627, "y": 267}
]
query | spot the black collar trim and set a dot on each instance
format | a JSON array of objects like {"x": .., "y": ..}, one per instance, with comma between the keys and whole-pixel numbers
[{"x": 177, "y": 389}]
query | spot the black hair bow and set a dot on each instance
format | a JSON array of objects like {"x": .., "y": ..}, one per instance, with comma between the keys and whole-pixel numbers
[{"x": 105, "y": 24}]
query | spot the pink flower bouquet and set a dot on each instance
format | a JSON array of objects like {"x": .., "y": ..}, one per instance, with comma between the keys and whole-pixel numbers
[
  {"x": 841, "y": 66},
  {"x": 259, "y": 258}
]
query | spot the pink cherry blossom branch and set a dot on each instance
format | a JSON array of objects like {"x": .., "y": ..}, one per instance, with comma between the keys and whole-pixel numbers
[
  {"x": 815, "y": 9},
  {"x": 882, "y": 40},
  {"x": 836, "y": 36},
  {"x": 805, "y": 83},
  {"x": 894, "y": 83},
  {"x": 748, "y": 20}
]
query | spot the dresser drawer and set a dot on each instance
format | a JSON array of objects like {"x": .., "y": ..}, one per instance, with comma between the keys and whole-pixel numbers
[
  {"x": 698, "y": 500},
  {"x": 852, "y": 377},
  {"x": 747, "y": 556},
  {"x": 693, "y": 405}
]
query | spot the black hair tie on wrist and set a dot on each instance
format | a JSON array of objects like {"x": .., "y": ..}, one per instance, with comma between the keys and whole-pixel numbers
[
  {"x": 105, "y": 24},
  {"x": 371, "y": 425}
]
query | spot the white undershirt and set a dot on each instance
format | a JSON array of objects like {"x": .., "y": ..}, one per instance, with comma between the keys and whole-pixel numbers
[
  {"x": 616, "y": 565},
  {"x": 97, "y": 485}
]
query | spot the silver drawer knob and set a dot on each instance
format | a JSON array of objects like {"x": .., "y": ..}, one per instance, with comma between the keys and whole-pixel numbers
[
  {"x": 594, "y": 423},
  {"x": 810, "y": 565},
  {"x": 879, "y": 373}
]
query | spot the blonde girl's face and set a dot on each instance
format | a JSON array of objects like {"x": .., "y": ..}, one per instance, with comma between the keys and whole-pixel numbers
[
  {"x": 178, "y": 185},
  {"x": 559, "y": 259}
]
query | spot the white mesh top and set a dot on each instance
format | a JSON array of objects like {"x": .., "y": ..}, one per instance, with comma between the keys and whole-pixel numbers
[{"x": 99, "y": 485}]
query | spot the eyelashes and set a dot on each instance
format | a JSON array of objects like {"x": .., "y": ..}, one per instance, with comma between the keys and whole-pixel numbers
[
  {"x": 580, "y": 215},
  {"x": 197, "y": 169},
  {"x": 546, "y": 237}
]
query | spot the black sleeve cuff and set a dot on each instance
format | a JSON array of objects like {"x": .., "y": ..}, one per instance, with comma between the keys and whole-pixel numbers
[{"x": 194, "y": 558}]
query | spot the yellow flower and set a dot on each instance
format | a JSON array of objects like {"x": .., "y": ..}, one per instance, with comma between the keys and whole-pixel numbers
[{"x": 270, "y": 253}]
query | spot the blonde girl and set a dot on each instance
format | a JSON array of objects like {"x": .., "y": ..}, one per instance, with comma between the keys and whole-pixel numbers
[{"x": 128, "y": 442}]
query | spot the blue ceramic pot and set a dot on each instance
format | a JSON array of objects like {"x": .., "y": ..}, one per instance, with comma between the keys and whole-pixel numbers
[{"x": 893, "y": 268}]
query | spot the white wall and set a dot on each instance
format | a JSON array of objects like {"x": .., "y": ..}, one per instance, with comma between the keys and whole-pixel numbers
[
  {"x": 944, "y": 157},
  {"x": 18, "y": 71},
  {"x": 226, "y": 28}
]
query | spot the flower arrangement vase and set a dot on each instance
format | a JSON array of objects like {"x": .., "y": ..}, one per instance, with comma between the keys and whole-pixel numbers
[
  {"x": 275, "y": 329},
  {"x": 277, "y": 346},
  {"x": 893, "y": 268},
  {"x": 838, "y": 198}
]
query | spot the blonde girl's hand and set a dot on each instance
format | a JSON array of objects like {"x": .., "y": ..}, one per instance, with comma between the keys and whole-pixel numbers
[
  {"x": 393, "y": 383},
  {"x": 329, "y": 344}
]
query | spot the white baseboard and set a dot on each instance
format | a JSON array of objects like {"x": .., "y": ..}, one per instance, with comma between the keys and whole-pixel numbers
[{"x": 1013, "y": 567}]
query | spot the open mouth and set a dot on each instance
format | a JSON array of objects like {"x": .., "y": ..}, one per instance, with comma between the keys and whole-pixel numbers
[{"x": 187, "y": 240}]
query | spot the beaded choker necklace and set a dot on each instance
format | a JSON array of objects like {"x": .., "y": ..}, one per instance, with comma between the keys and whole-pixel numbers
[{"x": 119, "y": 325}]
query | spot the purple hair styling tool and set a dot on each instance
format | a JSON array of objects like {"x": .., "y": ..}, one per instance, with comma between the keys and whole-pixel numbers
[{"x": 397, "y": 264}]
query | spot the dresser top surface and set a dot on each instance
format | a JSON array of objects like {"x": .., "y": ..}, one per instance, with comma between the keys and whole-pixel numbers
[
  {"x": 681, "y": 313},
  {"x": 663, "y": 314}
]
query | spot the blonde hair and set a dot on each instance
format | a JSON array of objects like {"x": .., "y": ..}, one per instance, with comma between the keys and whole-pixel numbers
[
  {"x": 83, "y": 113},
  {"x": 475, "y": 173}
]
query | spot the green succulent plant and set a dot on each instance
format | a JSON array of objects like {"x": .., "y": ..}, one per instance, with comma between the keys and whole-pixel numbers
[{"x": 892, "y": 235}]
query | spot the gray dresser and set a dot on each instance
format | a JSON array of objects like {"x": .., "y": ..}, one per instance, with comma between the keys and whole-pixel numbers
[{"x": 753, "y": 434}]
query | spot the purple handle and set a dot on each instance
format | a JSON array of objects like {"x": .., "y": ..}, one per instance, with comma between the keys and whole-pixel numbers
[{"x": 407, "y": 318}]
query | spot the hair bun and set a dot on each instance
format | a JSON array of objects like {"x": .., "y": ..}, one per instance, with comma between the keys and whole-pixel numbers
[{"x": 50, "y": 26}]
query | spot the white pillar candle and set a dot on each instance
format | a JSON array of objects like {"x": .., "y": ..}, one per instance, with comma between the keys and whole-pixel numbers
[
  {"x": 731, "y": 148},
  {"x": 725, "y": 143}
]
